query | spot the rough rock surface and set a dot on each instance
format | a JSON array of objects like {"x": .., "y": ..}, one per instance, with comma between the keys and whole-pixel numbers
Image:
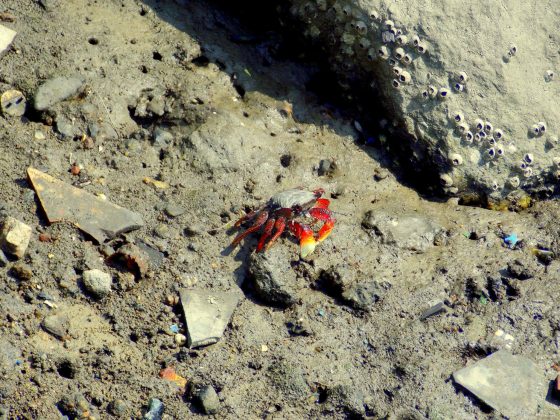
[{"x": 444, "y": 67}]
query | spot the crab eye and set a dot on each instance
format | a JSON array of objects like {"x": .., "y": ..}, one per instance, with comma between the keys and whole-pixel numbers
[
  {"x": 488, "y": 127},
  {"x": 458, "y": 87},
  {"x": 528, "y": 158},
  {"x": 491, "y": 153},
  {"x": 535, "y": 130},
  {"x": 462, "y": 77},
  {"x": 477, "y": 137},
  {"x": 415, "y": 40},
  {"x": 482, "y": 135},
  {"x": 512, "y": 50},
  {"x": 542, "y": 128},
  {"x": 399, "y": 54},
  {"x": 421, "y": 48},
  {"x": 491, "y": 141},
  {"x": 397, "y": 70},
  {"x": 523, "y": 165},
  {"x": 469, "y": 137},
  {"x": 500, "y": 150},
  {"x": 498, "y": 134},
  {"x": 396, "y": 84}
]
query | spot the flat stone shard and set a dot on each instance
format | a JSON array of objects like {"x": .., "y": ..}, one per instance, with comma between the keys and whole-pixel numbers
[
  {"x": 98, "y": 218},
  {"x": 14, "y": 237},
  {"x": 207, "y": 313},
  {"x": 7, "y": 36},
  {"x": 512, "y": 385}
]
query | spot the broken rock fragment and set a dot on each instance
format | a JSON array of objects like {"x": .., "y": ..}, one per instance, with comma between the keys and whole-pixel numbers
[
  {"x": 14, "y": 237},
  {"x": 7, "y": 36},
  {"x": 98, "y": 218},
  {"x": 207, "y": 313},
  {"x": 512, "y": 385}
]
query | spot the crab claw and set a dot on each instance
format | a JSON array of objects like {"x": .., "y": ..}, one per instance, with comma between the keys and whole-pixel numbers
[
  {"x": 307, "y": 243},
  {"x": 306, "y": 238}
]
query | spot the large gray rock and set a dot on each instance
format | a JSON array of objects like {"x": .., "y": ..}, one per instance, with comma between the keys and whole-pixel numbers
[{"x": 492, "y": 61}]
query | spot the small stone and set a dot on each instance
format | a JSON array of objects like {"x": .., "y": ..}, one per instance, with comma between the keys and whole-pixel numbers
[
  {"x": 162, "y": 138},
  {"x": 3, "y": 259},
  {"x": 118, "y": 408},
  {"x": 56, "y": 90},
  {"x": 380, "y": 174},
  {"x": 327, "y": 167},
  {"x": 21, "y": 271},
  {"x": 174, "y": 210},
  {"x": 180, "y": 339},
  {"x": 155, "y": 410},
  {"x": 56, "y": 325},
  {"x": 208, "y": 399},
  {"x": 433, "y": 310},
  {"x": 14, "y": 237},
  {"x": 97, "y": 282}
]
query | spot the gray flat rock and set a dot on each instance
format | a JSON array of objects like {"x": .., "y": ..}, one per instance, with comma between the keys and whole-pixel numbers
[
  {"x": 207, "y": 313},
  {"x": 512, "y": 385},
  {"x": 97, "y": 217}
]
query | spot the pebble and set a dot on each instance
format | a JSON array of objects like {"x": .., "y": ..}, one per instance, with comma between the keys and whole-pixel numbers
[
  {"x": 97, "y": 282},
  {"x": 57, "y": 325},
  {"x": 14, "y": 237},
  {"x": 433, "y": 310},
  {"x": 208, "y": 399},
  {"x": 21, "y": 271},
  {"x": 56, "y": 90},
  {"x": 174, "y": 210},
  {"x": 155, "y": 410}
]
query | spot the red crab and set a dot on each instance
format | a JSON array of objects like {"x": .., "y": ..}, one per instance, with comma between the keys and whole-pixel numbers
[{"x": 283, "y": 209}]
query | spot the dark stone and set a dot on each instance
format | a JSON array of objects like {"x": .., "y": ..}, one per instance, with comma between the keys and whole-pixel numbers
[
  {"x": 362, "y": 296},
  {"x": 273, "y": 281},
  {"x": 208, "y": 399}
]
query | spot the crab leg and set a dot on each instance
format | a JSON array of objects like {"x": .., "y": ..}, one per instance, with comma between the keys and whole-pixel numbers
[
  {"x": 305, "y": 235},
  {"x": 261, "y": 219},
  {"x": 266, "y": 233},
  {"x": 280, "y": 225},
  {"x": 249, "y": 216}
]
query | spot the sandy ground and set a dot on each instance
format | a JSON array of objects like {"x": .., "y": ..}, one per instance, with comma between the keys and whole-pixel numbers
[{"x": 242, "y": 126}]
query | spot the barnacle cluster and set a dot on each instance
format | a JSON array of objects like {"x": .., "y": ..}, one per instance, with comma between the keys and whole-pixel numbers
[{"x": 372, "y": 43}]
